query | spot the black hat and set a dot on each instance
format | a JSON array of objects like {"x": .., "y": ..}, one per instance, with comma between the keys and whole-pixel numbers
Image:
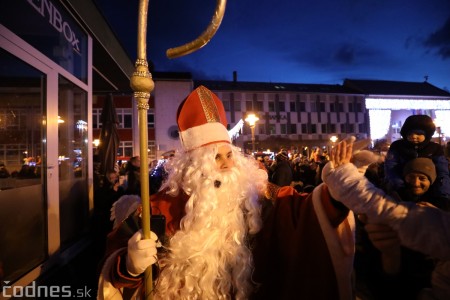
[
  {"x": 421, "y": 165},
  {"x": 416, "y": 123}
]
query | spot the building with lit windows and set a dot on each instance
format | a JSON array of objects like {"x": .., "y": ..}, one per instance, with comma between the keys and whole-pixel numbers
[
  {"x": 389, "y": 103},
  {"x": 308, "y": 115},
  {"x": 170, "y": 90},
  {"x": 127, "y": 127},
  {"x": 296, "y": 116},
  {"x": 291, "y": 115}
]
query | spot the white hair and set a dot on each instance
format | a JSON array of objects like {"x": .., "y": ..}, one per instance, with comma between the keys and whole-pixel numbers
[{"x": 209, "y": 257}]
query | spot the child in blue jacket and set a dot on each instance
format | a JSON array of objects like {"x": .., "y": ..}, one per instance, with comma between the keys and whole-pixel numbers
[{"x": 416, "y": 133}]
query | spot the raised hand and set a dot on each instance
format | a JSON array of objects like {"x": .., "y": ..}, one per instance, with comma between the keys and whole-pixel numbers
[{"x": 342, "y": 153}]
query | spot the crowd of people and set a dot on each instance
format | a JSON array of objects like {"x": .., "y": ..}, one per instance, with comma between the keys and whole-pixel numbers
[
  {"x": 29, "y": 169},
  {"x": 296, "y": 169},
  {"x": 349, "y": 224},
  {"x": 125, "y": 181}
]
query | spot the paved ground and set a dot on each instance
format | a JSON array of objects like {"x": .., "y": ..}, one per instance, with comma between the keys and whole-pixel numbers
[{"x": 79, "y": 275}]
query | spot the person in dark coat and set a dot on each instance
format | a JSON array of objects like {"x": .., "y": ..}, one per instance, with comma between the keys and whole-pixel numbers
[
  {"x": 416, "y": 133},
  {"x": 133, "y": 169},
  {"x": 282, "y": 175},
  {"x": 104, "y": 198},
  {"x": 418, "y": 226},
  {"x": 384, "y": 268},
  {"x": 4, "y": 173},
  {"x": 311, "y": 174}
]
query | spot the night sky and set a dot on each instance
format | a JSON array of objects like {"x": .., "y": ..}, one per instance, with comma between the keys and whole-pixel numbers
[{"x": 296, "y": 41}]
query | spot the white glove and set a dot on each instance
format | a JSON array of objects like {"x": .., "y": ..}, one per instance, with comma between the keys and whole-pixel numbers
[{"x": 141, "y": 253}]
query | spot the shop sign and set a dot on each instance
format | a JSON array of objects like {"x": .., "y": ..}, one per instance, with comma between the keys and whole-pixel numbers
[
  {"x": 49, "y": 27},
  {"x": 49, "y": 12}
]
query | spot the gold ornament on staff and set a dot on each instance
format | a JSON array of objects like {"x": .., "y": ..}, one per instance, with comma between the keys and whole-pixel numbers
[{"x": 142, "y": 84}]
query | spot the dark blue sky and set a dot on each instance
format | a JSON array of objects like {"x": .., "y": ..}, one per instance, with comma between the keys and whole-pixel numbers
[{"x": 321, "y": 41}]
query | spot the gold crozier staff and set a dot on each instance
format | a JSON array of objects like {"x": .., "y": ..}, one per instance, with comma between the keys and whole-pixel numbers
[{"x": 142, "y": 85}]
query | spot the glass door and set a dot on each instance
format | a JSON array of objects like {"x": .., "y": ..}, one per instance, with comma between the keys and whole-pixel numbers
[
  {"x": 23, "y": 218},
  {"x": 45, "y": 178}
]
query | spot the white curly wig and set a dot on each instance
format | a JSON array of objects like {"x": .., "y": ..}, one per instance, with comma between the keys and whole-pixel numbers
[{"x": 209, "y": 258}]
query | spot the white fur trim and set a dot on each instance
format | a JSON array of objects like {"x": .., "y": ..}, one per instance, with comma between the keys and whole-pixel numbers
[
  {"x": 106, "y": 290},
  {"x": 340, "y": 242},
  {"x": 204, "y": 134}
]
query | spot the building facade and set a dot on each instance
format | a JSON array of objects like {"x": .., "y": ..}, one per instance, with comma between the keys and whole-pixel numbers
[
  {"x": 293, "y": 116},
  {"x": 170, "y": 90},
  {"x": 389, "y": 103},
  {"x": 54, "y": 56}
]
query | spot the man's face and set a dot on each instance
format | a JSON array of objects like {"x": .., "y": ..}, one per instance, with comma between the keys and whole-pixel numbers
[
  {"x": 418, "y": 183},
  {"x": 224, "y": 158},
  {"x": 416, "y": 138}
]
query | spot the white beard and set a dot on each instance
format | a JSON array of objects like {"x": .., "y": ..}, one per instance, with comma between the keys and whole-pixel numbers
[{"x": 208, "y": 257}]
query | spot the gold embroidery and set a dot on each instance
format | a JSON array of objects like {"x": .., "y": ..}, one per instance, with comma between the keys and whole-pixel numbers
[
  {"x": 208, "y": 105},
  {"x": 271, "y": 191}
]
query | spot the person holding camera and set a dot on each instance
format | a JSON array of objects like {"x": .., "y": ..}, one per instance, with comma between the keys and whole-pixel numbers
[{"x": 109, "y": 193}]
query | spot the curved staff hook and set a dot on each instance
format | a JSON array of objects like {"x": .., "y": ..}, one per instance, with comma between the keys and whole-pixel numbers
[
  {"x": 142, "y": 84},
  {"x": 204, "y": 38}
]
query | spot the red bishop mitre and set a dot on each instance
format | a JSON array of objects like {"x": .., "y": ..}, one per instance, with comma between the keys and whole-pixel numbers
[{"x": 202, "y": 120}]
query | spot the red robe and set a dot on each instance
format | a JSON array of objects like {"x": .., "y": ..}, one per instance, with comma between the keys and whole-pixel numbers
[{"x": 304, "y": 250}]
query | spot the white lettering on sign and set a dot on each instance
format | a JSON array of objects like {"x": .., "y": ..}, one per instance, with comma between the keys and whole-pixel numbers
[
  {"x": 275, "y": 117},
  {"x": 46, "y": 9}
]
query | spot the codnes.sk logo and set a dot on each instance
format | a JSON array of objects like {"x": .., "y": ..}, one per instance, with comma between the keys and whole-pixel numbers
[{"x": 51, "y": 291}]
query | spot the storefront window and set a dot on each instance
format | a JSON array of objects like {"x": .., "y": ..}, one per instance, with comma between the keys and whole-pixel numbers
[
  {"x": 47, "y": 26},
  {"x": 22, "y": 202},
  {"x": 73, "y": 162}
]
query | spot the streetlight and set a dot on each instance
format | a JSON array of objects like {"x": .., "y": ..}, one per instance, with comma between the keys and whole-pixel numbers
[
  {"x": 251, "y": 120},
  {"x": 333, "y": 139}
]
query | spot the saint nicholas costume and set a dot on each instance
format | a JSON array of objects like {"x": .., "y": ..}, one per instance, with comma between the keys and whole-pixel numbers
[{"x": 303, "y": 251}]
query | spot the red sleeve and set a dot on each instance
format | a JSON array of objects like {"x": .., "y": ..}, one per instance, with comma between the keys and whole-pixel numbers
[{"x": 173, "y": 208}]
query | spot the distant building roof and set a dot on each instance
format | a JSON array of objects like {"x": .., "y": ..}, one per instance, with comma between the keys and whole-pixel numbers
[
  {"x": 273, "y": 87},
  {"x": 384, "y": 87},
  {"x": 172, "y": 75}
]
